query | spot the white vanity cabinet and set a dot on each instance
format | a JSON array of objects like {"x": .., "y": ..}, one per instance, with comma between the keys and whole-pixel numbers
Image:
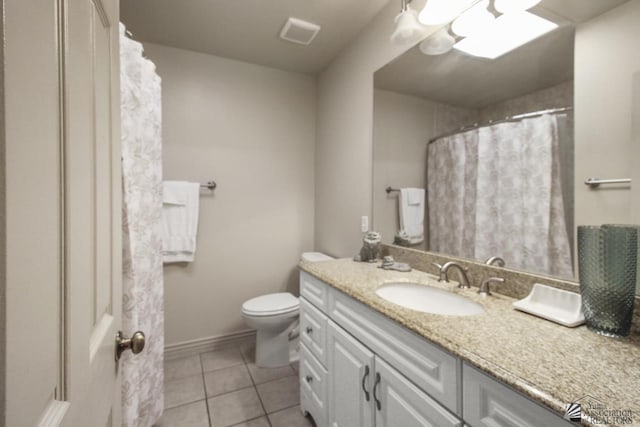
[
  {"x": 359, "y": 368},
  {"x": 487, "y": 403}
]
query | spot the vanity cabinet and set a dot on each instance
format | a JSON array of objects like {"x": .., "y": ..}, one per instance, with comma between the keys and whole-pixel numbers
[
  {"x": 487, "y": 403},
  {"x": 359, "y": 368},
  {"x": 365, "y": 391}
]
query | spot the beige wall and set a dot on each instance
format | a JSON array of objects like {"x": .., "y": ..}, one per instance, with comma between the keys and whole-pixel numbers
[
  {"x": 606, "y": 59},
  {"x": 251, "y": 129},
  {"x": 402, "y": 125},
  {"x": 557, "y": 96},
  {"x": 344, "y": 135}
]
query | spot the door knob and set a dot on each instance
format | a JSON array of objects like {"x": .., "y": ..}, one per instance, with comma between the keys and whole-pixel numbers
[{"x": 135, "y": 343}]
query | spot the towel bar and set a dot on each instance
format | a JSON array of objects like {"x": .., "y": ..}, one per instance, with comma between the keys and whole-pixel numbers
[
  {"x": 211, "y": 185},
  {"x": 595, "y": 182}
]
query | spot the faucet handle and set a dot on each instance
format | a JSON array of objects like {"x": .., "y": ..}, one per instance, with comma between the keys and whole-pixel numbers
[
  {"x": 485, "y": 288},
  {"x": 495, "y": 260},
  {"x": 443, "y": 274}
]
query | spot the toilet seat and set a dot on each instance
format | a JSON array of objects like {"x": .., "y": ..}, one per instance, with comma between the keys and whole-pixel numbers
[{"x": 271, "y": 304}]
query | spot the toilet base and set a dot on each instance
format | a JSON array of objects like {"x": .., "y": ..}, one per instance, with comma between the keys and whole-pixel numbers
[{"x": 272, "y": 348}]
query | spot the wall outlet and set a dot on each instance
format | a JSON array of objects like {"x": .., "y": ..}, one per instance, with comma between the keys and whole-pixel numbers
[{"x": 364, "y": 224}]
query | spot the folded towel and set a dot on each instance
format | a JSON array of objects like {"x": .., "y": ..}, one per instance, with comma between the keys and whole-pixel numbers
[
  {"x": 411, "y": 207},
  {"x": 173, "y": 193},
  {"x": 180, "y": 220}
]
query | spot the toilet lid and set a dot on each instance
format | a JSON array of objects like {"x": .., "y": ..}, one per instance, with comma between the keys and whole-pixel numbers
[{"x": 271, "y": 304}]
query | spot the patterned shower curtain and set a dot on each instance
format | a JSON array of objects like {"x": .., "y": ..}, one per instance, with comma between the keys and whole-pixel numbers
[
  {"x": 142, "y": 299},
  {"x": 500, "y": 189}
]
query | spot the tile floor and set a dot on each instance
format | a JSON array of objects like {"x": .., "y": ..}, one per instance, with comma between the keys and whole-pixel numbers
[{"x": 225, "y": 388}]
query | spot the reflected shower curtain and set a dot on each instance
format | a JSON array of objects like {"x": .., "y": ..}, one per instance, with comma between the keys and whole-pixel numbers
[
  {"x": 497, "y": 191},
  {"x": 142, "y": 287},
  {"x": 452, "y": 164},
  {"x": 520, "y": 211}
]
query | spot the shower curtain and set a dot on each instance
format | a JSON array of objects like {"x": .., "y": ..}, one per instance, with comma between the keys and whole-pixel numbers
[
  {"x": 451, "y": 167},
  {"x": 510, "y": 203},
  {"x": 142, "y": 287}
]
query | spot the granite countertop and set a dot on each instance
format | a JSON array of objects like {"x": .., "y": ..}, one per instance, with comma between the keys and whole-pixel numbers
[{"x": 550, "y": 363}]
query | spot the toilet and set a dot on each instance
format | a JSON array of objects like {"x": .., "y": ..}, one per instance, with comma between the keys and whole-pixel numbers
[{"x": 275, "y": 318}]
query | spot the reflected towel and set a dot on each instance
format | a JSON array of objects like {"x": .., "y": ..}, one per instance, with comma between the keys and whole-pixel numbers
[
  {"x": 180, "y": 221},
  {"x": 411, "y": 208}
]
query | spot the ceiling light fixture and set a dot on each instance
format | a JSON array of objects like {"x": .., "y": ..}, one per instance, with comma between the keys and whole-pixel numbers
[
  {"x": 437, "y": 12},
  {"x": 474, "y": 20},
  {"x": 507, "y": 6},
  {"x": 508, "y": 32},
  {"x": 438, "y": 43},
  {"x": 407, "y": 25}
]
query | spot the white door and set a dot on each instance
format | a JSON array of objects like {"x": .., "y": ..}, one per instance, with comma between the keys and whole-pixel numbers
[
  {"x": 404, "y": 404},
  {"x": 63, "y": 230},
  {"x": 350, "y": 366}
]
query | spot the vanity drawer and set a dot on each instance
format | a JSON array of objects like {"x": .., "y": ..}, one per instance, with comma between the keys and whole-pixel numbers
[
  {"x": 313, "y": 330},
  {"x": 430, "y": 368},
  {"x": 313, "y": 386},
  {"x": 314, "y": 290},
  {"x": 489, "y": 403}
]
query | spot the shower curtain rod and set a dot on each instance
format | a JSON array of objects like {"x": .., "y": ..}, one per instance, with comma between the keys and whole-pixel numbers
[{"x": 506, "y": 119}]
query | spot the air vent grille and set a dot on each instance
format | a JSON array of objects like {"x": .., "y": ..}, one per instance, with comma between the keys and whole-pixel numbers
[{"x": 298, "y": 31}]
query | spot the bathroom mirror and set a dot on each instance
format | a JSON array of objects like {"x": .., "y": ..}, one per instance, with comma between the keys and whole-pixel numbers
[{"x": 511, "y": 188}]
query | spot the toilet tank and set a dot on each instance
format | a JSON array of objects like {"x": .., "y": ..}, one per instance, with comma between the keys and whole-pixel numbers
[{"x": 315, "y": 257}]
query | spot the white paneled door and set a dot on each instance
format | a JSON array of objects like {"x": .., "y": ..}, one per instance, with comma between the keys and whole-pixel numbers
[{"x": 63, "y": 227}]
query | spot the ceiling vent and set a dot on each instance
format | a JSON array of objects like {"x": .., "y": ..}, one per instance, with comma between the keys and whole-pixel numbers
[{"x": 298, "y": 31}]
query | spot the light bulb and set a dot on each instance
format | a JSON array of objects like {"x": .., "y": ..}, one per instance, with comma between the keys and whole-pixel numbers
[
  {"x": 438, "y": 12},
  {"x": 407, "y": 26},
  {"x": 473, "y": 20},
  {"x": 506, "y": 6},
  {"x": 438, "y": 43}
]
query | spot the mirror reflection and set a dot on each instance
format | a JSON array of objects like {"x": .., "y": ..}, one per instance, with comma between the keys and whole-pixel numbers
[{"x": 482, "y": 143}]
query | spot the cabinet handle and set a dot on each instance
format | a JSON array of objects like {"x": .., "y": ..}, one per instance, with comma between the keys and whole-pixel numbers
[
  {"x": 309, "y": 330},
  {"x": 309, "y": 378},
  {"x": 364, "y": 379},
  {"x": 375, "y": 387}
]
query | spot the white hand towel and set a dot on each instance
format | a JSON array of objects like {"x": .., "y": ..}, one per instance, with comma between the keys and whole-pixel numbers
[
  {"x": 411, "y": 207},
  {"x": 173, "y": 193},
  {"x": 180, "y": 221}
]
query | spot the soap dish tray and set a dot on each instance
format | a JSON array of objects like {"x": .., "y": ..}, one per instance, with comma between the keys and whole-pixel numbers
[{"x": 553, "y": 304}]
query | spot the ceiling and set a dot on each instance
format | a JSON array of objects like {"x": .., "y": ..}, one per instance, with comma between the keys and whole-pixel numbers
[
  {"x": 248, "y": 30},
  {"x": 471, "y": 82}
]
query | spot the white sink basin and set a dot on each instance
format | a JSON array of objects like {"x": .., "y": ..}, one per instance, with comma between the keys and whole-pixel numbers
[{"x": 428, "y": 299}]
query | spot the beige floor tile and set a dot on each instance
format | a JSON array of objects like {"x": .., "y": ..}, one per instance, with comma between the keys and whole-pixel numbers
[
  {"x": 258, "y": 422},
  {"x": 291, "y": 417},
  {"x": 191, "y": 415},
  {"x": 280, "y": 394},
  {"x": 183, "y": 367},
  {"x": 183, "y": 390},
  {"x": 221, "y": 359},
  {"x": 225, "y": 380},
  {"x": 248, "y": 351},
  {"x": 263, "y": 375},
  {"x": 235, "y": 407}
]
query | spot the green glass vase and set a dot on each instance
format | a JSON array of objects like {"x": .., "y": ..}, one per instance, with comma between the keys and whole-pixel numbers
[{"x": 607, "y": 267}]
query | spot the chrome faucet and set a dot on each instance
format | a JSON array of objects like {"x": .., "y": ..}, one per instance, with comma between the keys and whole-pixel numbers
[
  {"x": 444, "y": 269},
  {"x": 495, "y": 260},
  {"x": 485, "y": 289}
]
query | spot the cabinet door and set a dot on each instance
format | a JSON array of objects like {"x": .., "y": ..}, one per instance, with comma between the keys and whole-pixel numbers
[
  {"x": 488, "y": 403},
  {"x": 350, "y": 367},
  {"x": 403, "y": 404}
]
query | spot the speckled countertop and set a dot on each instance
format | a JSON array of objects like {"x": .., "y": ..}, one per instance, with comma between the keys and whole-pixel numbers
[{"x": 552, "y": 364}]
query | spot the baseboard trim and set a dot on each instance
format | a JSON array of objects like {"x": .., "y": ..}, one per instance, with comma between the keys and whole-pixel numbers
[{"x": 203, "y": 345}]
